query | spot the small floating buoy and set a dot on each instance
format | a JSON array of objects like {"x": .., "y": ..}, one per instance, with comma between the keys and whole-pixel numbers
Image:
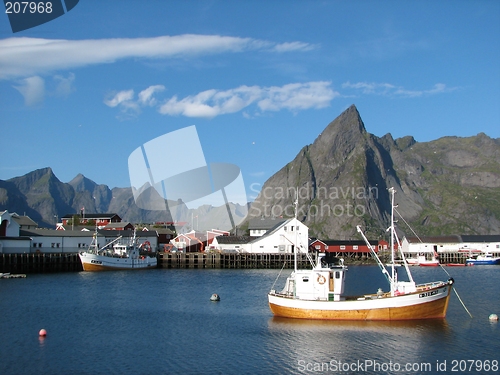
[
  {"x": 42, "y": 333},
  {"x": 493, "y": 318},
  {"x": 215, "y": 298}
]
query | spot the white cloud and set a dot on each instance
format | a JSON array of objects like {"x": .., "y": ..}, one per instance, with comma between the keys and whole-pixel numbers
[
  {"x": 64, "y": 85},
  {"x": 387, "y": 89},
  {"x": 120, "y": 98},
  {"x": 21, "y": 57},
  {"x": 211, "y": 103},
  {"x": 146, "y": 96},
  {"x": 294, "y": 46},
  {"x": 32, "y": 89}
]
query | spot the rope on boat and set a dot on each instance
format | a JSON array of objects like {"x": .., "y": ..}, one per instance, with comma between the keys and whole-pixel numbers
[
  {"x": 460, "y": 299},
  {"x": 440, "y": 265},
  {"x": 279, "y": 274}
]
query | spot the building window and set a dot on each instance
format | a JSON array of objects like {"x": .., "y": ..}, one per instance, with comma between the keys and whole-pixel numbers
[
  {"x": 342, "y": 247},
  {"x": 317, "y": 247},
  {"x": 355, "y": 247}
]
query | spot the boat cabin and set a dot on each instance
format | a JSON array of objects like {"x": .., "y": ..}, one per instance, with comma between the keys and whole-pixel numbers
[{"x": 324, "y": 282}]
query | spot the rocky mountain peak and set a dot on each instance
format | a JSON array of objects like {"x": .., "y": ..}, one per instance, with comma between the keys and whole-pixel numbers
[
  {"x": 82, "y": 183},
  {"x": 343, "y": 177}
]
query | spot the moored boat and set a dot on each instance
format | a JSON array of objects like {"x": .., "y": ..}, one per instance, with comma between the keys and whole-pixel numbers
[
  {"x": 318, "y": 293},
  {"x": 421, "y": 260},
  {"x": 117, "y": 257},
  {"x": 482, "y": 259}
]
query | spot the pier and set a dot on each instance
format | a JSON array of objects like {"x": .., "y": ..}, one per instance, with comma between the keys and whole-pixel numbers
[
  {"x": 40, "y": 263},
  {"x": 231, "y": 260},
  {"x": 69, "y": 262}
]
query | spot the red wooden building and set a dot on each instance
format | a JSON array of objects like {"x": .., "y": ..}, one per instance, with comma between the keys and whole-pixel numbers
[{"x": 347, "y": 248}]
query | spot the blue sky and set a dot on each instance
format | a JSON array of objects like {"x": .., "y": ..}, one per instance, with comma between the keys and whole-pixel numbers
[{"x": 259, "y": 79}]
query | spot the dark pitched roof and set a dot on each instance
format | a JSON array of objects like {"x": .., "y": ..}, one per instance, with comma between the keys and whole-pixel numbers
[
  {"x": 236, "y": 240},
  {"x": 24, "y": 220},
  {"x": 481, "y": 238},
  {"x": 265, "y": 223},
  {"x": 435, "y": 239},
  {"x": 92, "y": 216}
]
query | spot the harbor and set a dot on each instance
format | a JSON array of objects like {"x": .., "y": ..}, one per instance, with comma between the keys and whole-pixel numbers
[
  {"x": 70, "y": 262},
  {"x": 63, "y": 262}
]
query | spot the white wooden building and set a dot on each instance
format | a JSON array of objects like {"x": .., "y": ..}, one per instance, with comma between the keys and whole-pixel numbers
[
  {"x": 451, "y": 244},
  {"x": 282, "y": 238}
]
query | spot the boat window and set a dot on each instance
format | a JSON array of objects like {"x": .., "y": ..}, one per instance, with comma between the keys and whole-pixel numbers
[
  {"x": 305, "y": 279},
  {"x": 337, "y": 275}
]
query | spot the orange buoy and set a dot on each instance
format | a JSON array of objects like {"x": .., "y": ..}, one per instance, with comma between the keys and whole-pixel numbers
[{"x": 42, "y": 333}]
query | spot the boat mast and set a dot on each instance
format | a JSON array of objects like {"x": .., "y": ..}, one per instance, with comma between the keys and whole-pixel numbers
[
  {"x": 392, "y": 191},
  {"x": 295, "y": 246}
]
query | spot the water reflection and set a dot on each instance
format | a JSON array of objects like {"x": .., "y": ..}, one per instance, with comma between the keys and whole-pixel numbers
[{"x": 333, "y": 342}]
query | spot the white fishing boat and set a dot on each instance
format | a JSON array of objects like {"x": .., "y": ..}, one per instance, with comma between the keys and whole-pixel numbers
[
  {"x": 318, "y": 293},
  {"x": 423, "y": 261},
  {"x": 117, "y": 256}
]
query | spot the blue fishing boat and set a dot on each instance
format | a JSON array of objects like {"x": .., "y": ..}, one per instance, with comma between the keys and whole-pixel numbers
[{"x": 482, "y": 259}]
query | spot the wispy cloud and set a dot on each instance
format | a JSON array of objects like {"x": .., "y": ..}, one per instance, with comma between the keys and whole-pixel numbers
[
  {"x": 23, "y": 57},
  {"x": 387, "y": 89},
  {"x": 211, "y": 103},
  {"x": 294, "y": 46},
  {"x": 32, "y": 89},
  {"x": 64, "y": 86},
  {"x": 146, "y": 96}
]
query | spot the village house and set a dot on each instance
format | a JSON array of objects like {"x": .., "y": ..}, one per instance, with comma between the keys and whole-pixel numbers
[
  {"x": 99, "y": 220},
  {"x": 348, "y": 248},
  {"x": 10, "y": 241},
  {"x": 282, "y": 238},
  {"x": 468, "y": 244}
]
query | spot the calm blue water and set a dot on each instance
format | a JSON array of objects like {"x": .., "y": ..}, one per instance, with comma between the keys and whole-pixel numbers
[{"x": 162, "y": 322}]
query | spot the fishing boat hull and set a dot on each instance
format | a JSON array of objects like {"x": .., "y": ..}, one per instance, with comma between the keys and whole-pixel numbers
[
  {"x": 484, "y": 262},
  {"x": 429, "y": 263},
  {"x": 95, "y": 262},
  {"x": 429, "y": 304}
]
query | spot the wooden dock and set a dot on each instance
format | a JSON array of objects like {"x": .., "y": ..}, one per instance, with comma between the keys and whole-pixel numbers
[
  {"x": 70, "y": 262},
  {"x": 40, "y": 263},
  {"x": 230, "y": 260}
]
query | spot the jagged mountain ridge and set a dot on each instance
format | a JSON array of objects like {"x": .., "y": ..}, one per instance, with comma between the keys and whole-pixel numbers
[
  {"x": 40, "y": 195},
  {"x": 447, "y": 186},
  {"x": 450, "y": 185}
]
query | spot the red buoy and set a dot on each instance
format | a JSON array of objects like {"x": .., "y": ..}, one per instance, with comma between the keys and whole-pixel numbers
[{"x": 42, "y": 333}]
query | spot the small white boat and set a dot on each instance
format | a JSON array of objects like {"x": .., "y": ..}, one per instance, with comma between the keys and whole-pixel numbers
[
  {"x": 118, "y": 257},
  {"x": 318, "y": 293}
]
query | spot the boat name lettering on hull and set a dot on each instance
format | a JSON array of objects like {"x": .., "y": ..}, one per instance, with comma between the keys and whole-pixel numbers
[{"x": 428, "y": 294}]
